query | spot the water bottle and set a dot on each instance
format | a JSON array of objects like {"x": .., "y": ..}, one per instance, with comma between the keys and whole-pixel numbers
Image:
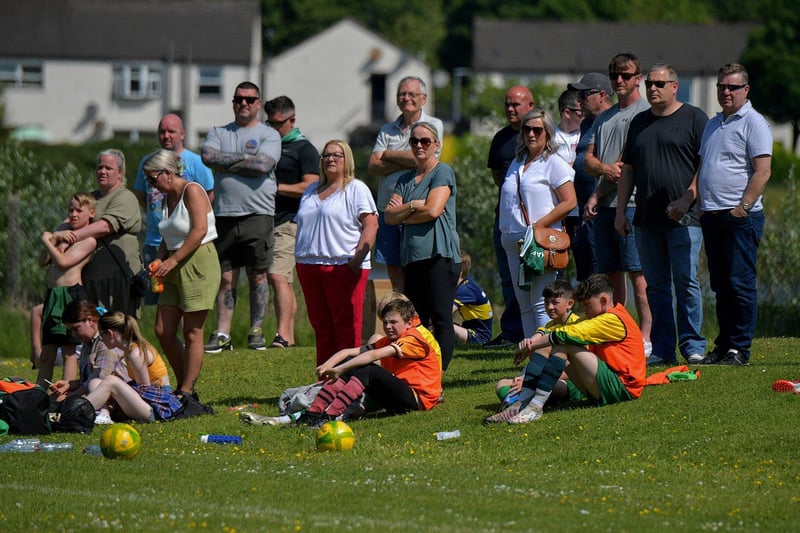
[
  {"x": 93, "y": 449},
  {"x": 221, "y": 439},
  {"x": 20, "y": 446},
  {"x": 447, "y": 435},
  {"x": 55, "y": 447},
  {"x": 156, "y": 283}
]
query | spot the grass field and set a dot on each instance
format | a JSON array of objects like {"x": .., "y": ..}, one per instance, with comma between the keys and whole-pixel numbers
[{"x": 718, "y": 454}]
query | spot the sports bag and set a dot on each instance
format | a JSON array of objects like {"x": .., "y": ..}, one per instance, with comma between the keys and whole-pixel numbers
[
  {"x": 24, "y": 407},
  {"x": 74, "y": 415}
]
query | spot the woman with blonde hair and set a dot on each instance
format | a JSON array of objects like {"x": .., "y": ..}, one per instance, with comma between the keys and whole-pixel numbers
[
  {"x": 336, "y": 226},
  {"x": 189, "y": 266},
  {"x": 541, "y": 181}
]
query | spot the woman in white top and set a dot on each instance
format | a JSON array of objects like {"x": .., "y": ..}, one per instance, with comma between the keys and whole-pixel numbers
[
  {"x": 544, "y": 182},
  {"x": 189, "y": 266},
  {"x": 336, "y": 226}
]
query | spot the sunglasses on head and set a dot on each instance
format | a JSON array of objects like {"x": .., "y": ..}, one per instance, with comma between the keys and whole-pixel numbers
[
  {"x": 424, "y": 141},
  {"x": 537, "y": 130},
  {"x": 241, "y": 99},
  {"x": 658, "y": 83},
  {"x": 625, "y": 75}
]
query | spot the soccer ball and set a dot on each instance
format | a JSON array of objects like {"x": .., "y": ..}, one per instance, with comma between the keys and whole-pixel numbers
[
  {"x": 335, "y": 435},
  {"x": 120, "y": 441}
]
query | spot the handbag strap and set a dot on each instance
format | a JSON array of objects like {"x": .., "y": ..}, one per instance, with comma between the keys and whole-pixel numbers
[
  {"x": 114, "y": 257},
  {"x": 521, "y": 203}
]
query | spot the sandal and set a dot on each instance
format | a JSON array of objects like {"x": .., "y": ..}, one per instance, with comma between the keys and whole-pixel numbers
[{"x": 280, "y": 342}]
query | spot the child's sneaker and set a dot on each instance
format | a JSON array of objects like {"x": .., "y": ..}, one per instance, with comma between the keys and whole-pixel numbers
[
  {"x": 102, "y": 418},
  {"x": 505, "y": 415},
  {"x": 528, "y": 414},
  {"x": 784, "y": 385}
]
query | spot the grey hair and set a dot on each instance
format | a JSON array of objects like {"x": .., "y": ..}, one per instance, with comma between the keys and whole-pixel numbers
[
  {"x": 551, "y": 147},
  {"x": 422, "y": 87},
  {"x": 665, "y": 67},
  {"x": 116, "y": 154},
  {"x": 734, "y": 68}
]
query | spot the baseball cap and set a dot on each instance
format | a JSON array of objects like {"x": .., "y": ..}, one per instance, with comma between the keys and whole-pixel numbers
[{"x": 592, "y": 81}]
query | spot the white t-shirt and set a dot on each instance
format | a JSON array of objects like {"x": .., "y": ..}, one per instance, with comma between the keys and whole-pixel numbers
[
  {"x": 328, "y": 230},
  {"x": 567, "y": 143},
  {"x": 538, "y": 183}
]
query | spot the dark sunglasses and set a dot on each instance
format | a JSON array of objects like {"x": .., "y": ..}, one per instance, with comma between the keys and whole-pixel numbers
[
  {"x": 625, "y": 75},
  {"x": 658, "y": 83},
  {"x": 731, "y": 87},
  {"x": 537, "y": 130},
  {"x": 424, "y": 141},
  {"x": 576, "y": 110},
  {"x": 154, "y": 178},
  {"x": 587, "y": 93},
  {"x": 278, "y": 123},
  {"x": 241, "y": 99}
]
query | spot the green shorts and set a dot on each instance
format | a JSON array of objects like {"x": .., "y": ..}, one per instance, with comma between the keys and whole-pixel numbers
[
  {"x": 612, "y": 390},
  {"x": 194, "y": 283}
]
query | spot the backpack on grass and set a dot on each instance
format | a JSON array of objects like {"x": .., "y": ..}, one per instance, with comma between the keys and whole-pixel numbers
[{"x": 24, "y": 406}]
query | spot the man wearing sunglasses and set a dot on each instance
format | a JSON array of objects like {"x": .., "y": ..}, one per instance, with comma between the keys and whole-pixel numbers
[
  {"x": 617, "y": 255},
  {"x": 391, "y": 158},
  {"x": 296, "y": 170},
  {"x": 243, "y": 155},
  {"x": 735, "y": 165},
  {"x": 170, "y": 137},
  {"x": 659, "y": 161},
  {"x": 594, "y": 91}
]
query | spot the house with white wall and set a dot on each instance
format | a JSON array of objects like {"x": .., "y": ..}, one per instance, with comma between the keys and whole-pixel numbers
[
  {"x": 343, "y": 79},
  {"x": 77, "y": 70}
]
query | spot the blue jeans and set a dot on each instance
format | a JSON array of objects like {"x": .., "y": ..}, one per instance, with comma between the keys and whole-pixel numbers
[
  {"x": 732, "y": 246},
  {"x": 669, "y": 257},
  {"x": 510, "y": 320}
]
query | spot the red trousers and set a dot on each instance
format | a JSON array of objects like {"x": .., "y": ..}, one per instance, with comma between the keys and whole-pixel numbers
[{"x": 335, "y": 302}]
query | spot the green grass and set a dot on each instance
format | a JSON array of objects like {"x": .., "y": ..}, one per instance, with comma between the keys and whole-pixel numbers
[{"x": 716, "y": 454}]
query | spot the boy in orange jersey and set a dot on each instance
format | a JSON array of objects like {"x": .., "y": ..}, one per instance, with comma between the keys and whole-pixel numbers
[
  {"x": 409, "y": 377},
  {"x": 605, "y": 349}
]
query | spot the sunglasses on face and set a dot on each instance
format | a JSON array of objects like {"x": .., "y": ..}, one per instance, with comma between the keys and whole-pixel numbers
[
  {"x": 625, "y": 75},
  {"x": 278, "y": 123},
  {"x": 587, "y": 93},
  {"x": 537, "y": 130},
  {"x": 731, "y": 87},
  {"x": 241, "y": 99},
  {"x": 658, "y": 83},
  {"x": 154, "y": 178},
  {"x": 424, "y": 141}
]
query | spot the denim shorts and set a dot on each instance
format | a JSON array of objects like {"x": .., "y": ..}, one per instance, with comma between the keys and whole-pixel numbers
[
  {"x": 388, "y": 242},
  {"x": 615, "y": 253}
]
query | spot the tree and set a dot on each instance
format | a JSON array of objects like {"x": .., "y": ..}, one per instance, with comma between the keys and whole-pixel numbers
[{"x": 772, "y": 59}]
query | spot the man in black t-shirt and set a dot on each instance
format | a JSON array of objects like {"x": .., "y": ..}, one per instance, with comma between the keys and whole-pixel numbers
[
  {"x": 297, "y": 168},
  {"x": 660, "y": 158}
]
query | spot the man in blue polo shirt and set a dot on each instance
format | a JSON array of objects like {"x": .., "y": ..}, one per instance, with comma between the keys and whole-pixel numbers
[{"x": 735, "y": 165}]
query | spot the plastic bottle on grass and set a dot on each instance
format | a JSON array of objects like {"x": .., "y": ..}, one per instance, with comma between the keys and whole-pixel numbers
[
  {"x": 221, "y": 439},
  {"x": 93, "y": 449},
  {"x": 447, "y": 435},
  {"x": 56, "y": 447},
  {"x": 20, "y": 446}
]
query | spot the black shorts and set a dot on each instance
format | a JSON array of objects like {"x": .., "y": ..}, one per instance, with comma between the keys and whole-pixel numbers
[{"x": 245, "y": 242}]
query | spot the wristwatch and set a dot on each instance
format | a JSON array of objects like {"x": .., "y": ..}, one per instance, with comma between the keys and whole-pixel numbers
[
  {"x": 746, "y": 206},
  {"x": 411, "y": 205}
]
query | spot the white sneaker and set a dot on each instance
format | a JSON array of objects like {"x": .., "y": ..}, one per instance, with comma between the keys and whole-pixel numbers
[
  {"x": 103, "y": 419},
  {"x": 695, "y": 359},
  {"x": 528, "y": 414},
  {"x": 261, "y": 420}
]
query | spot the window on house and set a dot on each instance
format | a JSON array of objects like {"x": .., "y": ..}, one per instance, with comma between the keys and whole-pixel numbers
[
  {"x": 137, "y": 82},
  {"x": 14, "y": 74},
  {"x": 210, "y": 85},
  {"x": 378, "y": 97}
]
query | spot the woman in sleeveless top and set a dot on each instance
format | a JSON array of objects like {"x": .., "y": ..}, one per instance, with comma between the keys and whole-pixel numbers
[{"x": 189, "y": 266}]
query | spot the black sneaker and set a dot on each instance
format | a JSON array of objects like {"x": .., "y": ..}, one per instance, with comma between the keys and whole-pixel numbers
[
  {"x": 733, "y": 358},
  {"x": 713, "y": 357},
  {"x": 498, "y": 342},
  {"x": 217, "y": 343}
]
